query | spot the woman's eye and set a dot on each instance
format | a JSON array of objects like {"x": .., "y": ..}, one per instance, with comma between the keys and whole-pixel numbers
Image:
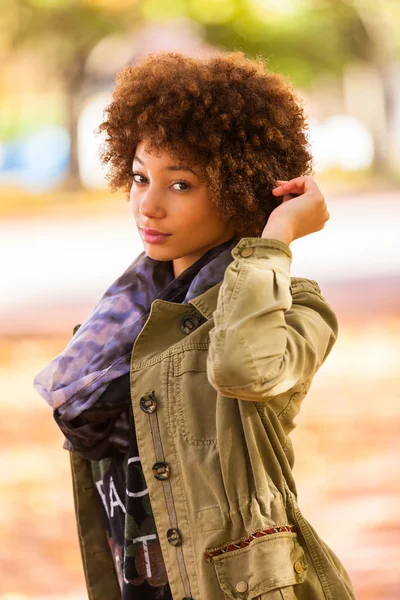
[
  {"x": 184, "y": 183},
  {"x": 138, "y": 175}
]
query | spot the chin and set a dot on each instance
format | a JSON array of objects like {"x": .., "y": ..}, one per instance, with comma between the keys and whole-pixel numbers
[{"x": 158, "y": 253}]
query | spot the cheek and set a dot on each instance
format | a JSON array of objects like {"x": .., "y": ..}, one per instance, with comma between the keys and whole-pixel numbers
[
  {"x": 197, "y": 212},
  {"x": 194, "y": 217},
  {"x": 207, "y": 220},
  {"x": 133, "y": 202}
]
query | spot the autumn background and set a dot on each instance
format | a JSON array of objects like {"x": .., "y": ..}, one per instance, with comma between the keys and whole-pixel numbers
[{"x": 64, "y": 238}]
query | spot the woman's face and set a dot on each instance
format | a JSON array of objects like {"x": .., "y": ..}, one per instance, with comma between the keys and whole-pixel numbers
[{"x": 171, "y": 197}]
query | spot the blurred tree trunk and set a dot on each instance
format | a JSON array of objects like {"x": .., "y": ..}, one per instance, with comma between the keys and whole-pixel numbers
[
  {"x": 378, "y": 55},
  {"x": 74, "y": 76},
  {"x": 377, "y": 51}
]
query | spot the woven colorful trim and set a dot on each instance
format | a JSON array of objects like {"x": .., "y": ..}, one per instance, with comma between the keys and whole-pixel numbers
[{"x": 245, "y": 541}]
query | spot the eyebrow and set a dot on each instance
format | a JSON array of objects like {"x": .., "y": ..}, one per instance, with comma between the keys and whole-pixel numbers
[{"x": 170, "y": 167}]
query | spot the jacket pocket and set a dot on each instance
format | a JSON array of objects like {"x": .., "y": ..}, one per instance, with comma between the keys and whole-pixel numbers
[
  {"x": 267, "y": 569},
  {"x": 193, "y": 401}
]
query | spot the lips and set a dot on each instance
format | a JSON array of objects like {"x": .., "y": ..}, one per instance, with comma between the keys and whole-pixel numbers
[
  {"x": 153, "y": 231},
  {"x": 154, "y": 238}
]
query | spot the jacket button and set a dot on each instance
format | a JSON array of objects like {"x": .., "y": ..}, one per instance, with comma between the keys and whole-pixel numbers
[
  {"x": 160, "y": 470},
  {"x": 75, "y": 329},
  {"x": 298, "y": 567},
  {"x": 246, "y": 252},
  {"x": 174, "y": 537},
  {"x": 242, "y": 586},
  {"x": 189, "y": 324},
  {"x": 148, "y": 403}
]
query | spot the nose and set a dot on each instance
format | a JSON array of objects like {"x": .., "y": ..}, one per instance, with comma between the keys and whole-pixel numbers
[{"x": 150, "y": 203}]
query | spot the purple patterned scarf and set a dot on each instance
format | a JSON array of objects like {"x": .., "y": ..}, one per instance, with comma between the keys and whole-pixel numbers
[{"x": 100, "y": 351}]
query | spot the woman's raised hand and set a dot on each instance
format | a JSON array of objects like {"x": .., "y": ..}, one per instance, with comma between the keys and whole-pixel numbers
[{"x": 300, "y": 215}]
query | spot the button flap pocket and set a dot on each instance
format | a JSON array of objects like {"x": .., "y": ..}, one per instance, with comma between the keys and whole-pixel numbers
[
  {"x": 192, "y": 399},
  {"x": 268, "y": 563},
  {"x": 192, "y": 359}
]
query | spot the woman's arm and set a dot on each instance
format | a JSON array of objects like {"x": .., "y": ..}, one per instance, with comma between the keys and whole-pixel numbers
[{"x": 270, "y": 332}]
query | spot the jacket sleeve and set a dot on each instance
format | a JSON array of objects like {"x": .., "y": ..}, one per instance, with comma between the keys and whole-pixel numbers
[{"x": 270, "y": 331}]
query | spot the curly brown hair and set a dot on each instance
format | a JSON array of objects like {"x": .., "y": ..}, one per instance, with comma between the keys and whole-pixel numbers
[{"x": 242, "y": 125}]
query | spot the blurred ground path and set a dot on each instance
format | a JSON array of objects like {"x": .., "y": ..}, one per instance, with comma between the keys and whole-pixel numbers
[
  {"x": 347, "y": 454},
  {"x": 60, "y": 265}
]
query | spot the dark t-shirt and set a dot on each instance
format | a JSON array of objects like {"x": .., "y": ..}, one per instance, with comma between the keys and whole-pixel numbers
[{"x": 130, "y": 524}]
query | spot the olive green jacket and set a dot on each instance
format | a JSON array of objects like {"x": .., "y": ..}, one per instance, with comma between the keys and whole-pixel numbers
[{"x": 215, "y": 387}]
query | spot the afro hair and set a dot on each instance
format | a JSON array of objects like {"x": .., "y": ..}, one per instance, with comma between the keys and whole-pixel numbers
[{"x": 241, "y": 124}]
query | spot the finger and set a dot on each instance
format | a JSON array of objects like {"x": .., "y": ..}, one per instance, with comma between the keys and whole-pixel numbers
[
  {"x": 298, "y": 180},
  {"x": 277, "y": 190},
  {"x": 293, "y": 185},
  {"x": 298, "y": 185},
  {"x": 288, "y": 188}
]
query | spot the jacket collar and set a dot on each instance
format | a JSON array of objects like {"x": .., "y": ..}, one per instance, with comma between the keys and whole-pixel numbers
[{"x": 206, "y": 303}]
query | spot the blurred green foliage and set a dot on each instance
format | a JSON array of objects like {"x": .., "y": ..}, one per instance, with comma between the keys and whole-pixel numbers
[
  {"x": 300, "y": 38},
  {"x": 61, "y": 31},
  {"x": 23, "y": 119},
  {"x": 306, "y": 36}
]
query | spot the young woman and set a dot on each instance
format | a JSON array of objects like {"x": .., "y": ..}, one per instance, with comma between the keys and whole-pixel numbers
[{"x": 177, "y": 395}]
